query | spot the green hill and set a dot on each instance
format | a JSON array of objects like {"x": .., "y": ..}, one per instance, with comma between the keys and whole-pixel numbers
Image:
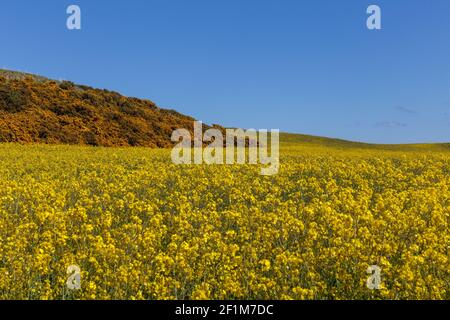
[{"x": 292, "y": 139}]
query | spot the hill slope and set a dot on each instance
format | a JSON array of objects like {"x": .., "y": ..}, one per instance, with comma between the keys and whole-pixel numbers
[
  {"x": 299, "y": 140},
  {"x": 34, "y": 109}
]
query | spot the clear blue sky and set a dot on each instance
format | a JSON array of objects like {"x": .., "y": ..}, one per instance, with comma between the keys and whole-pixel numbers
[{"x": 301, "y": 66}]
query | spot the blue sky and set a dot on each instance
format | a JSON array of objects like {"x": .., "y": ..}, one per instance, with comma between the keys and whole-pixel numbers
[{"x": 300, "y": 66}]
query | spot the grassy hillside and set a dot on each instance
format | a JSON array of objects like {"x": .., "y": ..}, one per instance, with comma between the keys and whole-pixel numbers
[{"x": 300, "y": 140}]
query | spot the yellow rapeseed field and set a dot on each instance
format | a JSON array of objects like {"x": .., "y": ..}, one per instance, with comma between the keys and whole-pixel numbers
[{"x": 140, "y": 227}]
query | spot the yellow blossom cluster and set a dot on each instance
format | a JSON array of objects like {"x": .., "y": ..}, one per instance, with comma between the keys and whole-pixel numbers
[{"x": 140, "y": 227}]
